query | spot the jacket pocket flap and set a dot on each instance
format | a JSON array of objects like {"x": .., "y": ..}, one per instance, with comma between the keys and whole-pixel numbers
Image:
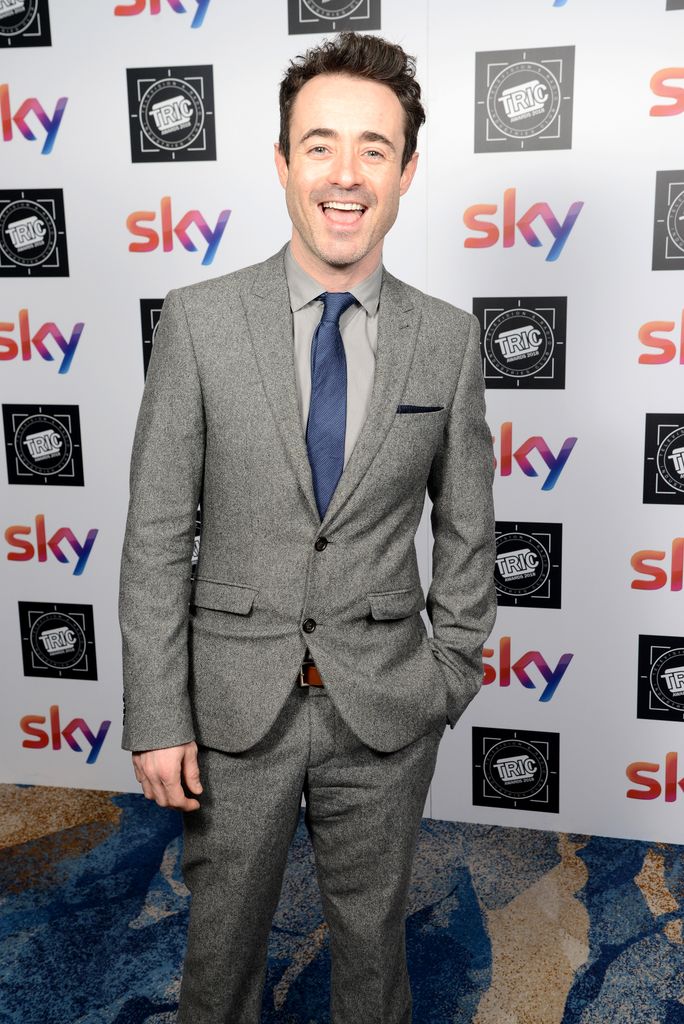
[
  {"x": 397, "y": 604},
  {"x": 224, "y": 597}
]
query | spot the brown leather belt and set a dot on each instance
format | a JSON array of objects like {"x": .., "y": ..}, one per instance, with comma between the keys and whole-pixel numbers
[{"x": 308, "y": 673}]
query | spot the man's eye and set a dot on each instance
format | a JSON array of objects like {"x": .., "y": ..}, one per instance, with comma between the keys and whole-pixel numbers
[
  {"x": 374, "y": 152},
  {"x": 318, "y": 149}
]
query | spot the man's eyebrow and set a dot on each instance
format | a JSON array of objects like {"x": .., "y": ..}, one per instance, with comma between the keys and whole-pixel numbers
[
  {"x": 326, "y": 133},
  {"x": 377, "y": 137},
  {"x": 330, "y": 133}
]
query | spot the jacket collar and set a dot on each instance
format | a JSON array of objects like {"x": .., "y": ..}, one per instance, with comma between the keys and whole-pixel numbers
[{"x": 269, "y": 320}]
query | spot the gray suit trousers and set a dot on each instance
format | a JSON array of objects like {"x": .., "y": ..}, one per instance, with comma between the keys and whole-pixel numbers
[{"x": 363, "y": 812}]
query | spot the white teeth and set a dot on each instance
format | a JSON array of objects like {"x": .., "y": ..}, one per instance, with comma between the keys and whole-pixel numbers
[{"x": 342, "y": 206}]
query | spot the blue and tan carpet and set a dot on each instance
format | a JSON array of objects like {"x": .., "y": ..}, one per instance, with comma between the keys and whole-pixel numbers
[{"x": 505, "y": 926}]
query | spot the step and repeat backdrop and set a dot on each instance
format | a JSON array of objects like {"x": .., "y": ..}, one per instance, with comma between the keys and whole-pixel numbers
[{"x": 137, "y": 157}]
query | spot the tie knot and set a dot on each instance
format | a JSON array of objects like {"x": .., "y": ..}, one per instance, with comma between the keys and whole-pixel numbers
[{"x": 334, "y": 305}]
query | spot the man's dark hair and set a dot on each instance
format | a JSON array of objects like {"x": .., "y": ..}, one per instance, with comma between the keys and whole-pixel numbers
[{"x": 362, "y": 56}]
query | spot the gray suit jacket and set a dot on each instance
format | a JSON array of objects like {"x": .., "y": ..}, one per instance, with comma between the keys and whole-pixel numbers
[{"x": 215, "y": 658}]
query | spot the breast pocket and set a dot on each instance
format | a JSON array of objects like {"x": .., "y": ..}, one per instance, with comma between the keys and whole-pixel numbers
[{"x": 407, "y": 408}]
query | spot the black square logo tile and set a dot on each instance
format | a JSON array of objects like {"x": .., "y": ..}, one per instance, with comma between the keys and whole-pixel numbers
[
  {"x": 523, "y": 99},
  {"x": 522, "y": 341},
  {"x": 171, "y": 114},
  {"x": 528, "y": 565},
  {"x": 516, "y": 768},
  {"x": 57, "y": 640},
  {"x": 43, "y": 445}
]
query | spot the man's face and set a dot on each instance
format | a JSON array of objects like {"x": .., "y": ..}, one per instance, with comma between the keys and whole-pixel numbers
[{"x": 344, "y": 178}]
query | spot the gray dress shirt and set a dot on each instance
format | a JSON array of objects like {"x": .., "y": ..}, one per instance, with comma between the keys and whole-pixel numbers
[{"x": 359, "y": 330}]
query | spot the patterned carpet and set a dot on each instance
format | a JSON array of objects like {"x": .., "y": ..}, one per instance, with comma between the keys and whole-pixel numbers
[{"x": 506, "y": 926}]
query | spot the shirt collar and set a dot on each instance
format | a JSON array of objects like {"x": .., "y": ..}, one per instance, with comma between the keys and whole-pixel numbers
[{"x": 304, "y": 289}]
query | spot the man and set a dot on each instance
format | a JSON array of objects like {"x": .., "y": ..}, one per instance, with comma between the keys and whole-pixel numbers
[{"x": 309, "y": 401}]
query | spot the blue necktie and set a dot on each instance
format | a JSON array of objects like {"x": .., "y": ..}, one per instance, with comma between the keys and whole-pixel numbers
[{"x": 325, "y": 428}]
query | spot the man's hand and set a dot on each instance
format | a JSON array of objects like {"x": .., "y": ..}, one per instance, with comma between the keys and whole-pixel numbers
[{"x": 159, "y": 772}]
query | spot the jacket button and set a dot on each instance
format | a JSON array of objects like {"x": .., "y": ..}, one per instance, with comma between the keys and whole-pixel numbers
[
  {"x": 309, "y": 625},
  {"x": 321, "y": 543}
]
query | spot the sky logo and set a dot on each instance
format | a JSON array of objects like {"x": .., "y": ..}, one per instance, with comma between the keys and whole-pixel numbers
[
  {"x": 472, "y": 218},
  {"x": 41, "y": 738},
  {"x": 27, "y": 342},
  {"x": 659, "y": 575},
  {"x": 155, "y": 6},
  {"x": 659, "y": 87},
  {"x": 508, "y": 457},
  {"x": 30, "y": 106},
  {"x": 666, "y": 350},
  {"x": 136, "y": 220},
  {"x": 639, "y": 774},
  {"x": 519, "y": 669},
  {"x": 26, "y": 550}
]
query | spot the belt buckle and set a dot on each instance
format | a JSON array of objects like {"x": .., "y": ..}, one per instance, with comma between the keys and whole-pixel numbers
[{"x": 306, "y": 660}]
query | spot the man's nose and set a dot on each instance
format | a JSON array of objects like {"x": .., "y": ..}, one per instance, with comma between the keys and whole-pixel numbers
[{"x": 345, "y": 169}]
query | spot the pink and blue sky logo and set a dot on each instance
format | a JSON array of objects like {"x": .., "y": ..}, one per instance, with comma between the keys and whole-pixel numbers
[
  {"x": 525, "y": 224},
  {"x": 508, "y": 457},
  {"x": 41, "y": 546},
  {"x": 531, "y": 669},
  {"x": 155, "y": 6},
  {"x": 41, "y": 738},
  {"x": 48, "y": 342},
  {"x": 19, "y": 118},
  {"x": 212, "y": 236}
]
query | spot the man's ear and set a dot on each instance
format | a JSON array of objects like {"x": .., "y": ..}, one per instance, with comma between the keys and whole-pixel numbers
[
  {"x": 281, "y": 164},
  {"x": 407, "y": 174}
]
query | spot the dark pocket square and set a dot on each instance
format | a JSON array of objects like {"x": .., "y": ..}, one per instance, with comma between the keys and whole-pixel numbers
[{"x": 419, "y": 408}]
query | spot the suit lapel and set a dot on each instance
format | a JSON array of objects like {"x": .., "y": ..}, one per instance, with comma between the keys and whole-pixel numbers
[
  {"x": 269, "y": 318},
  {"x": 398, "y": 321}
]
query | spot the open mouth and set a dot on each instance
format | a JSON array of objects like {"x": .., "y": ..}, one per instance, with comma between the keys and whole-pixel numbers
[{"x": 342, "y": 213}]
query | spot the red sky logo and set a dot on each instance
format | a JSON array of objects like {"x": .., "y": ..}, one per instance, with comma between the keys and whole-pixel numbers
[
  {"x": 40, "y": 738},
  {"x": 508, "y": 457},
  {"x": 520, "y": 669},
  {"x": 57, "y": 545},
  {"x": 136, "y": 220},
  {"x": 155, "y": 6},
  {"x": 659, "y": 87},
  {"x": 472, "y": 218},
  {"x": 10, "y": 348},
  {"x": 659, "y": 576},
  {"x": 665, "y": 350},
  {"x": 640, "y": 773},
  {"x": 50, "y": 125}
]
